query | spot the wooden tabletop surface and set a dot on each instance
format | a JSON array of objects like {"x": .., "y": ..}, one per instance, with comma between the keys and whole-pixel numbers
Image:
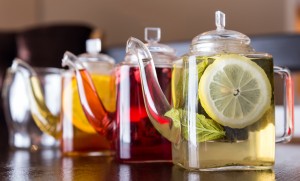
[{"x": 50, "y": 165}]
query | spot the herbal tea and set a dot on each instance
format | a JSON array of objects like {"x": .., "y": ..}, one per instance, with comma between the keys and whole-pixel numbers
[{"x": 233, "y": 124}]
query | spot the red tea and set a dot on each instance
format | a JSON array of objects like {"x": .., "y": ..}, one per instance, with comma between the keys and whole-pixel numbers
[{"x": 136, "y": 138}]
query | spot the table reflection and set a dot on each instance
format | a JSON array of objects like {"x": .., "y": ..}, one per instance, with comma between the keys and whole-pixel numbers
[
  {"x": 124, "y": 172},
  {"x": 26, "y": 165},
  {"x": 86, "y": 168},
  {"x": 19, "y": 162},
  {"x": 141, "y": 171},
  {"x": 179, "y": 174},
  {"x": 51, "y": 165}
]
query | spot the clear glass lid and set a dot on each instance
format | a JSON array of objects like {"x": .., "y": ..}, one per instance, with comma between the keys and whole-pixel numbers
[
  {"x": 93, "y": 49},
  {"x": 162, "y": 54},
  {"x": 152, "y": 37},
  {"x": 220, "y": 38}
]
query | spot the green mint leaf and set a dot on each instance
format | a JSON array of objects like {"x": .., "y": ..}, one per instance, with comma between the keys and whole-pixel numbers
[
  {"x": 206, "y": 129},
  {"x": 174, "y": 114}
]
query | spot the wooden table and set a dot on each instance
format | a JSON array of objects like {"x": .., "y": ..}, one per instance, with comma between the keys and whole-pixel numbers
[{"x": 50, "y": 165}]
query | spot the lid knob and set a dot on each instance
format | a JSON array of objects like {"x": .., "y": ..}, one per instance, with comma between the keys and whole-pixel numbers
[
  {"x": 93, "y": 45},
  {"x": 220, "y": 20},
  {"x": 152, "y": 34}
]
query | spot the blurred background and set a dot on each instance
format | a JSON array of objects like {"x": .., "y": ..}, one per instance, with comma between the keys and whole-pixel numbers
[
  {"x": 179, "y": 20},
  {"x": 117, "y": 20}
]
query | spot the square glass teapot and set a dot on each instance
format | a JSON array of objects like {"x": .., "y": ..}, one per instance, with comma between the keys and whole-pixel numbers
[{"x": 222, "y": 117}]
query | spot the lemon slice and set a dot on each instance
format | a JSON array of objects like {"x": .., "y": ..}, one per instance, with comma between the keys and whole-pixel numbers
[
  {"x": 106, "y": 91},
  {"x": 234, "y": 91}
]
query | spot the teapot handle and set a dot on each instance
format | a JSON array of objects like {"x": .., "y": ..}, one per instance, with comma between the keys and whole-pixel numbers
[{"x": 288, "y": 104}]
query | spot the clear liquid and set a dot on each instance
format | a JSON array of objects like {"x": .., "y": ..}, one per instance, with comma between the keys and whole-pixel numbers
[{"x": 256, "y": 150}]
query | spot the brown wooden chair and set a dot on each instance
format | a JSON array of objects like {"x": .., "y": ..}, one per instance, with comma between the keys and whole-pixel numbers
[{"x": 44, "y": 45}]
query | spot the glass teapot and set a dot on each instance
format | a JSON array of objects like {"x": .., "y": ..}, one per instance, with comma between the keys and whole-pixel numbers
[
  {"x": 78, "y": 136},
  {"x": 128, "y": 127},
  {"x": 30, "y": 105},
  {"x": 222, "y": 116}
]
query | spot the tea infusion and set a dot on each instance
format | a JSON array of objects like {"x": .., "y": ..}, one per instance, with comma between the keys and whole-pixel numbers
[{"x": 224, "y": 130}]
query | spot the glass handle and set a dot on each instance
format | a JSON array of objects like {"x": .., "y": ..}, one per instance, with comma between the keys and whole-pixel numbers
[{"x": 288, "y": 104}]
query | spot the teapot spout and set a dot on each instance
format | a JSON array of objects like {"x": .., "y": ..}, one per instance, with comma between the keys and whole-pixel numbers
[
  {"x": 44, "y": 119},
  {"x": 93, "y": 108},
  {"x": 155, "y": 101}
]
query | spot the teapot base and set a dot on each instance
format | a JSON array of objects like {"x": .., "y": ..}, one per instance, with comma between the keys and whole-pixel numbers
[
  {"x": 229, "y": 168},
  {"x": 238, "y": 168}
]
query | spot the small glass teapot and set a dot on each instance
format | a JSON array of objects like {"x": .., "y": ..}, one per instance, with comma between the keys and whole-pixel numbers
[
  {"x": 222, "y": 116},
  {"x": 31, "y": 105},
  {"x": 128, "y": 126},
  {"x": 78, "y": 136}
]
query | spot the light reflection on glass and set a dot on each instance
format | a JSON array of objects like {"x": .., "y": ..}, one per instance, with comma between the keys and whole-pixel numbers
[
  {"x": 66, "y": 117},
  {"x": 19, "y": 104},
  {"x": 124, "y": 107},
  {"x": 47, "y": 140},
  {"x": 21, "y": 140},
  {"x": 53, "y": 92}
]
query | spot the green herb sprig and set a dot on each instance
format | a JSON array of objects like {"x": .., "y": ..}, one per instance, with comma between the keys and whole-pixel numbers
[{"x": 206, "y": 129}]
